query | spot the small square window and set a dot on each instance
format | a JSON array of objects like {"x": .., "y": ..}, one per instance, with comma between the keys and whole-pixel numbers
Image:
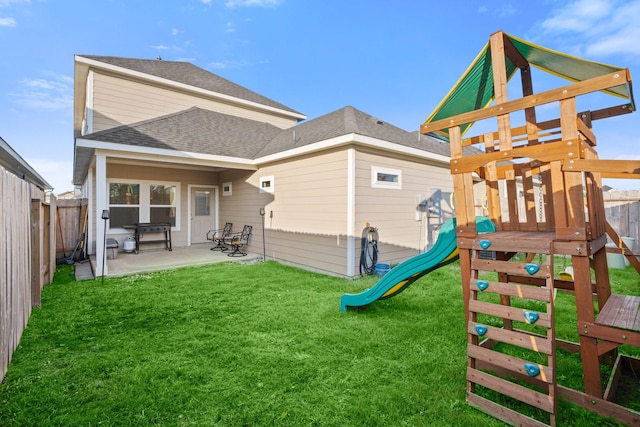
[
  {"x": 386, "y": 178},
  {"x": 227, "y": 189},
  {"x": 266, "y": 184}
]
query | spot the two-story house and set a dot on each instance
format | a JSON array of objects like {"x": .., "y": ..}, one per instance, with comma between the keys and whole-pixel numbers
[{"x": 162, "y": 141}]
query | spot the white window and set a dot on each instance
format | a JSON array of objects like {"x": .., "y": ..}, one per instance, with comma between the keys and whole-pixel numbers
[
  {"x": 386, "y": 178},
  {"x": 266, "y": 184},
  {"x": 227, "y": 188},
  {"x": 141, "y": 202}
]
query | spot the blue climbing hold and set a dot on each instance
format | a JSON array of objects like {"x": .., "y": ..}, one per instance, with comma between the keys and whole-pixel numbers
[
  {"x": 482, "y": 284},
  {"x": 481, "y": 329},
  {"x": 532, "y": 268},
  {"x": 484, "y": 244},
  {"x": 532, "y": 370},
  {"x": 531, "y": 316}
]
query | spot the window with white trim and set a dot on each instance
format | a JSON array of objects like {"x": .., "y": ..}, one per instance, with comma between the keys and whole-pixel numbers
[
  {"x": 386, "y": 177},
  {"x": 267, "y": 184},
  {"x": 227, "y": 189},
  {"x": 142, "y": 202}
]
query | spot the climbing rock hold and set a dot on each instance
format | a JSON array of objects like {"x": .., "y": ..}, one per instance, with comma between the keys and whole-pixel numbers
[
  {"x": 481, "y": 329},
  {"x": 531, "y": 316},
  {"x": 532, "y": 370},
  {"x": 532, "y": 268}
]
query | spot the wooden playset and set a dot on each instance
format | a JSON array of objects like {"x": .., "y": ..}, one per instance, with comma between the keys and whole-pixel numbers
[{"x": 543, "y": 190}]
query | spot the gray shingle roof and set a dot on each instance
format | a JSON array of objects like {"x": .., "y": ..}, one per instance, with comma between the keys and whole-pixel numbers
[
  {"x": 189, "y": 74},
  {"x": 194, "y": 130},
  {"x": 197, "y": 130},
  {"x": 345, "y": 121}
]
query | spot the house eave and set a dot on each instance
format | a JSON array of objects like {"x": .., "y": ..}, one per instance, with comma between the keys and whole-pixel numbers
[
  {"x": 357, "y": 139},
  {"x": 91, "y": 63},
  {"x": 161, "y": 155}
]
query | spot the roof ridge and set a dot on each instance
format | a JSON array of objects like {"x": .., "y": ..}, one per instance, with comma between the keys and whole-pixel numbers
[
  {"x": 187, "y": 73},
  {"x": 350, "y": 121}
]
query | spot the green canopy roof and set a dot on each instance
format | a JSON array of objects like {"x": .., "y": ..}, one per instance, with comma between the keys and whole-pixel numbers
[{"x": 475, "y": 88}]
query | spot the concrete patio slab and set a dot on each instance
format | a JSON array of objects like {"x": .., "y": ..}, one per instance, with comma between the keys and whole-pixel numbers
[{"x": 149, "y": 260}]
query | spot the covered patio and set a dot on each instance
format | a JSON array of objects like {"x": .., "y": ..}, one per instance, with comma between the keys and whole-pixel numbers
[{"x": 150, "y": 260}]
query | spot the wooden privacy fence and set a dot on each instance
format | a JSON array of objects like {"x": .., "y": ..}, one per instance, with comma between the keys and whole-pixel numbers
[
  {"x": 70, "y": 231},
  {"x": 27, "y": 249},
  {"x": 624, "y": 217}
]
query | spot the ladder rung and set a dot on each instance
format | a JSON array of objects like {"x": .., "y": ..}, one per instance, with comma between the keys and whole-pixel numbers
[
  {"x": 507, "y": 388},
  {"x": 509, "y": 312},
  {"x": 517, "y": 338}
]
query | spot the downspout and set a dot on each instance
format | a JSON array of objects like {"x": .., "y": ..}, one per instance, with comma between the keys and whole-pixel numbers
[{"x": 351, "y": 211}]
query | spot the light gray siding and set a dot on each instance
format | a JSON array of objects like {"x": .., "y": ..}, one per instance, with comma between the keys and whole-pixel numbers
[
  {"x": 305, "y": 216},
  {"x": 118, "y": 101},
  {"x": 403, "y": 233}
]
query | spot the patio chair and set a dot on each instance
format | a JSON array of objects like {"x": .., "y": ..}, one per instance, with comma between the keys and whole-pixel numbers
[
  {"x": 218, "y": 237},
  {"x": 238, "y": 241}
]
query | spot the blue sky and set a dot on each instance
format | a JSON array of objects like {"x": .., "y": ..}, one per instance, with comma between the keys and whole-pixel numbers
[{"x": 393, "y": 59}]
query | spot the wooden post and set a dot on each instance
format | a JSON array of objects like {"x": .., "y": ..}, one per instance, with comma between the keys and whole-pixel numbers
[
  {"x": 36, "y": 253},
  {"x": 584, "y": 306},
  {"x": 500, "y": 87},
  {"x": 572, "y": 180}
]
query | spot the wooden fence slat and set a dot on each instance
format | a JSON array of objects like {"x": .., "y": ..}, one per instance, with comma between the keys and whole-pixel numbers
[{"x": 27, "y": 258}]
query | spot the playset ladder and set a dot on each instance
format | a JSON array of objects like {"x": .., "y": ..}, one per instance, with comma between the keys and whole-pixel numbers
[
  {"x": 542, "y": 182},
  {"x": 494, "y": 339}
]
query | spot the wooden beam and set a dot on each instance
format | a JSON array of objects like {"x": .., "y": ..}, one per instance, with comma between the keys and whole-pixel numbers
[
  {"x": 499, "y": 68},
  {"x": 513, "y": 54},
  {"x": 624, "y": 168},
  {"x": 554, "y": 123},
  {"x": 561, "y": 150},
  {"x": 572, "y": 179},
  {"x": 595, "y": 84}
]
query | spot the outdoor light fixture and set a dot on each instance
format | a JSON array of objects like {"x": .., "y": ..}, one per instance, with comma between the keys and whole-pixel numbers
[{"x": 105, "y": 216}]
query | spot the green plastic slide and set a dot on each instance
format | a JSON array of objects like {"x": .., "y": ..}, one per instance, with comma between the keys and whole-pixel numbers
[{"x": 443, "y": 252}]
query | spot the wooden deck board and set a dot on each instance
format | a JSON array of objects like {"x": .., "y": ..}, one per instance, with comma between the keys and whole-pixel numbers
[{"x": 621, "y": 311}]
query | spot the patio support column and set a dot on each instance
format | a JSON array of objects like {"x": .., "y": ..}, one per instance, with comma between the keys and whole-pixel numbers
[
  {"x": 351, "y": 209},
  {"x": 101, "y": 203}
]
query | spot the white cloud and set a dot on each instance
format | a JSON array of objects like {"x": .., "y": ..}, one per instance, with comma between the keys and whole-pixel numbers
[
  {"x": 578, "y": 16},
  {"x": 7, "y": 22},
  {"x": 505, "y": 10},
  {"x": 222, "y": 65},
  {"x": 43, "y": 94},
  {"x": 250, "y": 3},
  {"x": 596, "y": 28},
  {"x": 175, "y": 32},
  {"x": 5, "y": 3}
]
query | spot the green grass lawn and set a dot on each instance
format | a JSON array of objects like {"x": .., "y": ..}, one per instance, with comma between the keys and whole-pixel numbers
[{"x": 248, "y": 345}]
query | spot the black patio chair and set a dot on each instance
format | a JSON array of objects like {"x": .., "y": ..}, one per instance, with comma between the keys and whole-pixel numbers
[
  {"x": 218, "y": 237},
  {"x": 238, "y": 241}
]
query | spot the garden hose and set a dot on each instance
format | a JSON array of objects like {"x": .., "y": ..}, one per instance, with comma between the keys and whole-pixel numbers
[{"x": 369, "y": 250}]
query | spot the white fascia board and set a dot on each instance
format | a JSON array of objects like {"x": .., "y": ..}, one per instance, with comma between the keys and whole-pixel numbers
[
  {"x": 317, "y": 146},
  {"x": 167, "y": 82},
  {"x": 353, "y": 138},
  {"x": 163, "y": 155}
]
